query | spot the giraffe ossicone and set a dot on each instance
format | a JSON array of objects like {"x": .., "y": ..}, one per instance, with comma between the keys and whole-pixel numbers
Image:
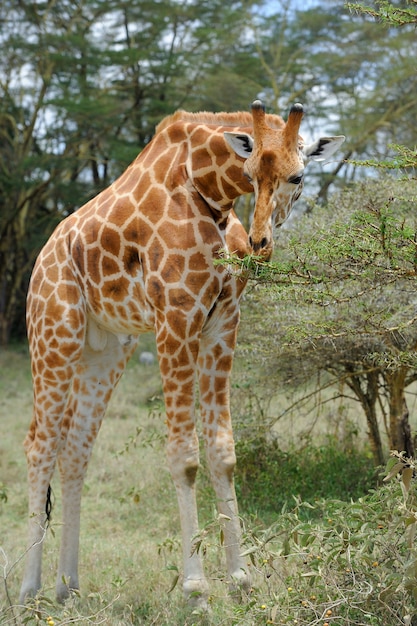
[{"x": 139, "y": 256}]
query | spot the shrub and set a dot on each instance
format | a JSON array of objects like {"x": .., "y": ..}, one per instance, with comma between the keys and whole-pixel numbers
[
  {"x": 269, "y": 478},
  {"x": 351, "y": 563}
]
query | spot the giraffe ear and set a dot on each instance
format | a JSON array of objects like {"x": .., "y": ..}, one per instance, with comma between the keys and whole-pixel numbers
[
  {"x": 242, "y": 143},
  {"x": 321, "y": 149}
]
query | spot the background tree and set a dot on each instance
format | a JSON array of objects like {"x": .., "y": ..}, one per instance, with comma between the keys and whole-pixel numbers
[
  {"x": 81, "y": 88},
  {"x": 354, "y": 78},
  {"x": 350, "y": 273},
  {"x": 83, "y": 84},
  {"x": 340, "y": 305}
]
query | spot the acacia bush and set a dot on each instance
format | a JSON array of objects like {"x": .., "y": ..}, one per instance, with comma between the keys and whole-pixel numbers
[{"x": 336, "y": 308}]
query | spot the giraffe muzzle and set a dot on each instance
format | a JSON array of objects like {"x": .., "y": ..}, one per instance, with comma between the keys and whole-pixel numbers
[{"x": 262, "y": 248}]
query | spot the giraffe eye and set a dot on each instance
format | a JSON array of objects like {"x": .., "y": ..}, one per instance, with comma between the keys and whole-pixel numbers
[
  {"x": 296, "y": 180},
  {"x": 249, "y": 178}
]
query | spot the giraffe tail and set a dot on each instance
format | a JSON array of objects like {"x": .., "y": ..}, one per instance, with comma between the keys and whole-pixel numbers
[{"x": 49, "y": 505}]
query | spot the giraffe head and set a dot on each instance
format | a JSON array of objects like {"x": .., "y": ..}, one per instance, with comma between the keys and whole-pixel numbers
[{"x": 275, "y": 160}]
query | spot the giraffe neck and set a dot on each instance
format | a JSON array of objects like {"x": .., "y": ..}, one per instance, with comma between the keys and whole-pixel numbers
[{"x": 213, "y": 168}]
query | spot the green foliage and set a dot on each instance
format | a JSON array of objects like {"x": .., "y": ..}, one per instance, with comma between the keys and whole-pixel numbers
[
  {"x": 400, "y": 16},
  {"x": 366, "y": 234},
  {"x": 339, "y": 298},
  {"x": 349, "y": 563},
  {"x": 345, "y": 562},
  {"x": 387, "y": 12},
  {"x": 353, "y": 558},
  {"x": 329, "y": 562},
  {"x": 350, "y": 270},
  {"x": 404, "y": 159},
  {"x": 269, "y": 479}
]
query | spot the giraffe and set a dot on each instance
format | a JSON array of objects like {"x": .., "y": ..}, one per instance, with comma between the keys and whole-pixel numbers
[{"x": 139, "y": 256}]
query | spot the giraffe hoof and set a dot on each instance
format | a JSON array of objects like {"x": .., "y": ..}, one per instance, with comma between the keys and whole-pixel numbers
[
  {"x": 65, "y": 591},
  {"x": 28, "y": 595},
  {"x": 240, "y": 585},
  {"x": 196, "y": 593}
]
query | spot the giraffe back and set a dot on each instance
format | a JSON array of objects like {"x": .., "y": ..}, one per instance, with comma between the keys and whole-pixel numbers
[{"x": 242, "y": 119}]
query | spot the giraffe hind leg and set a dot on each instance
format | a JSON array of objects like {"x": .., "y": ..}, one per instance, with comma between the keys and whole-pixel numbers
[
  {"x": 41, "y": 447},
  {"x": 95, "y": 378}
]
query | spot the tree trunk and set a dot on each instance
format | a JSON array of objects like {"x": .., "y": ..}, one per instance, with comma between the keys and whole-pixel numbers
[
  {"x": 14, "y": 264},
  {"x": 399, "y": 435},
  {"x": 368, "y": 398},
  {"x": 373, "y": 433}
]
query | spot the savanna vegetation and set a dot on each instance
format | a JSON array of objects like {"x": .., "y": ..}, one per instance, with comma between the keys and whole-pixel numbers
[
  {"x": 323, "y": 542},
  {"x": 326, "y": 369}
]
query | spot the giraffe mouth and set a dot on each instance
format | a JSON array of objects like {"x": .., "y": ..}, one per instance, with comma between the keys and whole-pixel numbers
[{"x": 262, "y": 248}]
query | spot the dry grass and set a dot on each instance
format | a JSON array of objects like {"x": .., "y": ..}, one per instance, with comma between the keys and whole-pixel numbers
[
  {"x": 130, "y": 551},
  {"x": 129, "y": 503}
]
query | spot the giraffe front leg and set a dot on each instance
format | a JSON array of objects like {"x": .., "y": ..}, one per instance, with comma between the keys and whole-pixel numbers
[
  {"x": 177, "y": 363},
  {"x": 215, "y": 363},
  {"x": 183, "y": 461},
  {"x": 222, "y": 461}
]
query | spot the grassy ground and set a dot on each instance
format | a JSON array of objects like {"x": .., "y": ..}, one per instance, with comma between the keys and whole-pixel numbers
[
  {"x": 130, "y": 553},
  {"x": 129, "y": 505},
  {"x": 130, "y": 550}
]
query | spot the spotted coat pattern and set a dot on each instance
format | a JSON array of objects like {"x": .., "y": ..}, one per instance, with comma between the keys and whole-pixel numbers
[{"x": 137, "y": 257}]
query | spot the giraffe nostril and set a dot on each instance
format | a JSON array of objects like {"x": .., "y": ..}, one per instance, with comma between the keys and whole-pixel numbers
[{"x": 258, "y": 245}]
